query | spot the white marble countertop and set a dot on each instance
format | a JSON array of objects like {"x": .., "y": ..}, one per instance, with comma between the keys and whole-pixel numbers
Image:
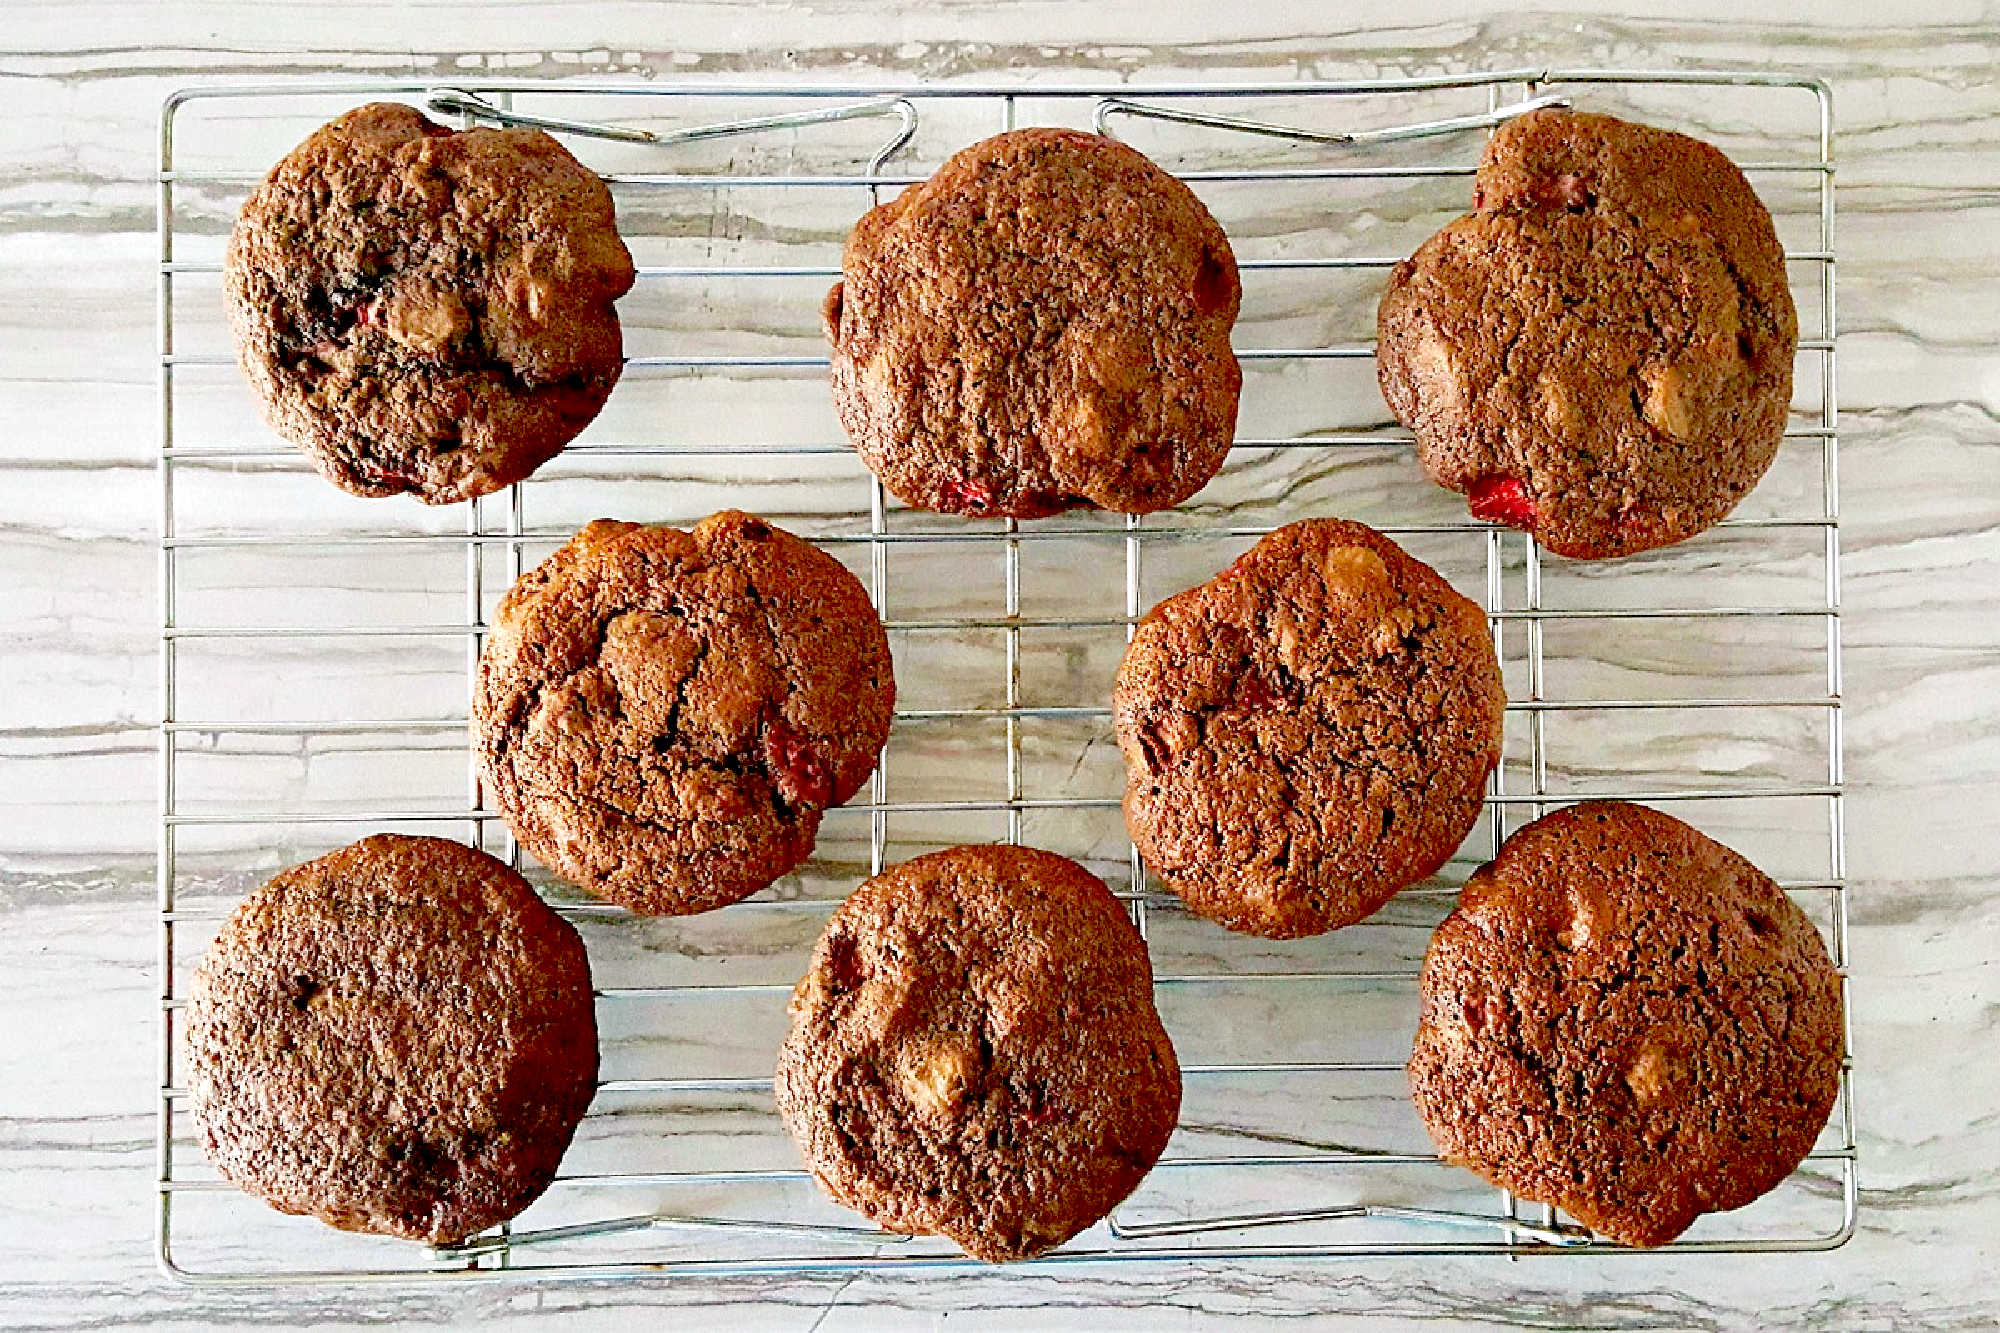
[{"x": 1918, "y": 113}]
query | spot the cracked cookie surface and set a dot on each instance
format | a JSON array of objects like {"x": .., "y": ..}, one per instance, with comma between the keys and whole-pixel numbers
[
  {"x": 1628, "y": 1020},
  {"x": 1308, "y": 732},
  {"x": 663, "y": 716},
  {"x": 1601, "y": 352},
  {"x": 398, "y": 1037},
  {"x": 975, "y": 1052},
  {"x": 427, "y": 311},
  {"x": 1042, "y": 325}
]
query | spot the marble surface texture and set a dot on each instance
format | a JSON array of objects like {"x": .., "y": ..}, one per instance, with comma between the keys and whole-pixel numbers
[{"x": 1917, "y": 104}]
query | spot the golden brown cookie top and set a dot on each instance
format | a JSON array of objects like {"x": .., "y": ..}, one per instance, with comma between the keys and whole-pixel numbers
[
  {"x": 1041, "y": 325},
  {"x": 663, "y": 716},
  {"x": 1601, "y": 352},
  {"x": 1308, "y": 732},
  {"x": 1628, "y": 1020},
  {"x": 975, "y": 1052},
  {"x": 398, "y": 1037},
  {"x": 427, "y": 311}
]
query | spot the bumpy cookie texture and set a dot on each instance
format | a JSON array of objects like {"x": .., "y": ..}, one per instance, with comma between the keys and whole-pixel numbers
[
  {"x": 427, "y": 311},
  {"x": 1601, "y": 352},
  {"x": 1308, "y": 732},
  {"x": 395, "y": 1038},
  {"x": 663, "y": 716},
  {"x": 975, "y": 1052},
  {"x": 1628, "y": 1020},
  {"x": 1042, "y": 325}
]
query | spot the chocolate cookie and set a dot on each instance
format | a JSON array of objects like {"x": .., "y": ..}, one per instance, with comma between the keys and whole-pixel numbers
[
  {"x": 1043, "y": 324},
  {"x": 1308, "y": 732},
  {"x": 975, "y": 1052},
  {"x": 1629, "y": 1021},
  {"x": 427, "y": 311},
  {"x": 1601, "y": 352},
  {"x": 396, "y": 1038},
  {"x": 663, "y": 716}
]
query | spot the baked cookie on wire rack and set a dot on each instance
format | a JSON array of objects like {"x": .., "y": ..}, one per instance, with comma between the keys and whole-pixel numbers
[
  {"x": 1628, "y": 1020},
  {"x": 1600, "y": 354},
  {"x": 664, "y": 716},
  {"x": 398, "y": 1037},
  {"x": 427, "y": 311},
  {"x": 975, "y": 1052},
  {"x": 1308, "y": 732},
  {"x": 1042, "y": 325}
]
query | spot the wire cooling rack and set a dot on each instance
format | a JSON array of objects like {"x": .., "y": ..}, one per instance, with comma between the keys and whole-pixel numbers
[{"x": 316, "y": 651}]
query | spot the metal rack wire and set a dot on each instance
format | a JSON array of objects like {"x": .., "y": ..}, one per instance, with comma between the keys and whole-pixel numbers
[{"x": 1296, "y": 1144}]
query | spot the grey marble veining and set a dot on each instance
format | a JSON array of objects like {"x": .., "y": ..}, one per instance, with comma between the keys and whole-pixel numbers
[{"x": 1918, "y": 113}]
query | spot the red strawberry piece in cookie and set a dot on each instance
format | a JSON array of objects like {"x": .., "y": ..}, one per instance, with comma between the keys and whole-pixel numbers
[
  {"x": 1502, "y": 500},
  {"x": 961, "y": 496},
  {"x": 799, "y": 774}
]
